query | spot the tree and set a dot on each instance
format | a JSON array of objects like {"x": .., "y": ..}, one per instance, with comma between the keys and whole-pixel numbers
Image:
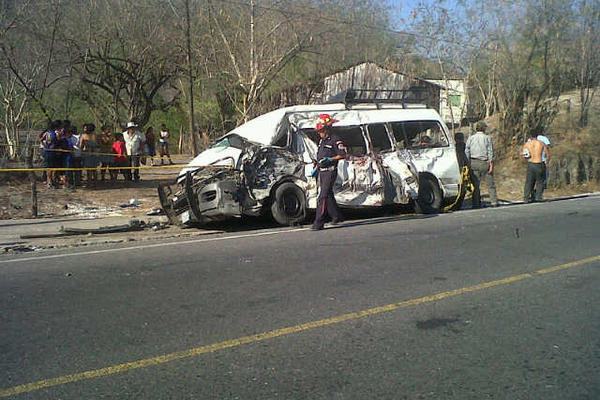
[
  {"x": 29, "y": 71},
  {"x": 129, "y": 60},
  {"x": 586, "y": 54},
  {"x": 257, "y": 43}
]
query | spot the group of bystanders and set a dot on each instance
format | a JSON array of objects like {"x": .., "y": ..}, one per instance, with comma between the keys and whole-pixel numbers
[
  {"x": 478, "y": 153},
  {"x": 67, "y": 152}
]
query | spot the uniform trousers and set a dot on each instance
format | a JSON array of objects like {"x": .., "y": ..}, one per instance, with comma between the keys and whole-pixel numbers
[{"x": 326, "y": 203}]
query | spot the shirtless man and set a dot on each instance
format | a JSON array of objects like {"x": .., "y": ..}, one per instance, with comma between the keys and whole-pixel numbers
[{"x": 532, "y": 152}]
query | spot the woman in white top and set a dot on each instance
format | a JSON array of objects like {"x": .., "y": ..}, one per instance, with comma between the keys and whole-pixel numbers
[{"x": 163, "y": 144}]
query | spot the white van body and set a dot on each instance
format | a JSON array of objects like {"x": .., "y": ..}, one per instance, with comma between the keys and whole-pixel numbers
[{"x": 391, "y": 149}]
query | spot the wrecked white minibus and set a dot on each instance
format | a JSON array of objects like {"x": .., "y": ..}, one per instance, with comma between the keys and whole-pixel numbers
[{"x": 397, "y": 154}]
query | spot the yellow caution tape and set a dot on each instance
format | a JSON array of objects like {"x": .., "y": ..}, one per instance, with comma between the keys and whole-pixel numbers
[
  {"x": 179, "y": 166},
  {"x": 464, "y": 184},
  {"x": 83, "y": 153}
]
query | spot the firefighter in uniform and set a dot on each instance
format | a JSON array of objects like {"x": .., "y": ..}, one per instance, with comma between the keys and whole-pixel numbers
[{"x": 331, "y": 150}]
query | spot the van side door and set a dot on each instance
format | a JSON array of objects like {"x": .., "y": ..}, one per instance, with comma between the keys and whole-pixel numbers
[
  {"x": 381, "y": 150},
  {"x": 359, "y": 181},
  {"x": 426, "y": 143}
]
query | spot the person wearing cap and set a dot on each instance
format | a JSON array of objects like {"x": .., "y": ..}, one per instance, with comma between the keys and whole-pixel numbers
[
  {"x": 480, "y": 152},
  {"x": 134, "y": 142},
  {"x": 331, "y": 150}
]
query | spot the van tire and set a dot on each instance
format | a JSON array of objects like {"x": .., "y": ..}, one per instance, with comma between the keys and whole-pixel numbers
[
  {"x": 429, "y": 200},
  {"x": 289, "y": 204}
]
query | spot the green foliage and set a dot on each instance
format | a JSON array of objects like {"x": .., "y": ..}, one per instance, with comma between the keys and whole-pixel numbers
[{"x": 208, "y": 117}]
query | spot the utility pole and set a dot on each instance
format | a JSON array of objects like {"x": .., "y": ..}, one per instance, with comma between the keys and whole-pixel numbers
[
  {"x": 32, "y": 179},
  {"x": 252, "y": 60},
  {"x": 188, "y": 37}
]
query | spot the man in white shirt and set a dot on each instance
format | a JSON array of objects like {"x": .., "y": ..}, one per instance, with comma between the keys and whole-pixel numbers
[
  {"x": 134, "y": 143},
  {"x": 480, "y": 152}
]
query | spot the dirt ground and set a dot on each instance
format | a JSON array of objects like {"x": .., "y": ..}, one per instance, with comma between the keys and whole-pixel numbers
[
  {"x": 509, "y": 177},
  {"x": 105, "y": 199},
  {"x": 108, "y": 197}
]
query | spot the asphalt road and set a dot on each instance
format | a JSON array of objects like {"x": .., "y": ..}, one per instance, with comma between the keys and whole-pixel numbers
[{"x": 455, "y": 306}]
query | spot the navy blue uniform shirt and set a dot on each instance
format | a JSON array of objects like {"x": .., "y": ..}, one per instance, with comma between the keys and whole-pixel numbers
[{"x": 331, "y": 146}]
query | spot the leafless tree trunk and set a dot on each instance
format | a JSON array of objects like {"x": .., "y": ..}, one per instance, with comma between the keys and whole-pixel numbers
[
  {"x": 252, "y": 62},
  {"x": 588, "y": 57},
  {"x": 15, "y": 102}
]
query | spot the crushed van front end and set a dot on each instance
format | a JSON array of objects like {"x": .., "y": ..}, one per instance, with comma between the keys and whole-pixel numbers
[{"x": 204, "y": 195}]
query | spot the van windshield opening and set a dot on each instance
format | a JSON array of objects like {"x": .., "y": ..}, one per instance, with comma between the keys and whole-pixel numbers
[{"x": 229, "y": 141}]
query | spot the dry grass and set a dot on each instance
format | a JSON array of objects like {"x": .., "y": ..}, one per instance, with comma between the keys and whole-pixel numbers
[{"x": 567, "y": 139}]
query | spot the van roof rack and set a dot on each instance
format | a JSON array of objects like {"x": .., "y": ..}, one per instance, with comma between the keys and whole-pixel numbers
[{"x": 414, "y": 95}]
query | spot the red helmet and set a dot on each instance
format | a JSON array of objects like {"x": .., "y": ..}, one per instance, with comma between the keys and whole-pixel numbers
[{"x": 324, "y": 120}]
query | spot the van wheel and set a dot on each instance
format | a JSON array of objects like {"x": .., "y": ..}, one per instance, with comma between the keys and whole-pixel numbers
[
  {"x": 289, "y": 204},
  {"x": 429, "y": 200}
]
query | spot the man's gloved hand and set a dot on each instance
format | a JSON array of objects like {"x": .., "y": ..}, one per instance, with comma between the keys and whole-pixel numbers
[
  {"x": 325, "y": 162},
  {"x": 314, "y": 172}
]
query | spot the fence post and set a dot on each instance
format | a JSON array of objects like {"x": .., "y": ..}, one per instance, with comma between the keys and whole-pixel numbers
[{"x": 32, "y": 179}]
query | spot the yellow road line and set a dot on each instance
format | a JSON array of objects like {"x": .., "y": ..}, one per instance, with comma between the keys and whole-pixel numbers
[{"x": 120, "y": 368}]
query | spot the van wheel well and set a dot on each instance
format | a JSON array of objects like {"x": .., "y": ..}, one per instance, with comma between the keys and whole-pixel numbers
[{"x": 288, "y": 203}]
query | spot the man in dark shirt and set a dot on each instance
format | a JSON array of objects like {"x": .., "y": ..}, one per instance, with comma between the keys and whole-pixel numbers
[
  {"x": 459, "y": 139},
  {"x": 331, "y": 150}
]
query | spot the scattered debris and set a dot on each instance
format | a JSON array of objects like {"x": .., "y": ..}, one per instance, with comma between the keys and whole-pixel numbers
[
  {"x": 157, "y": 226},
  {"x": 132, "y": 203},
  {"x": 133, "y": 225},
  {"x": 103, "y": 229},
  {"x": 156, "y": 211},
  {"x": 20, "y": 249},
  {"x": 91, "y": 211}
]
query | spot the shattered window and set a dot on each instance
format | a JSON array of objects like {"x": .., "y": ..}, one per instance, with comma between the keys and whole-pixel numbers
[
  {"x": 398, "y": 132},
  {"x": 419, "y": 134},
  {"x": 312, "y": 135},
  {"x": 298, "y": 146},
  {"x": 352, "y": 138},
  {"x": 221, "y": 144},
  {"x": 282, "y": 140},
  {"x": 229, "y": 141},
  {"x": 379, "y": 138}
]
